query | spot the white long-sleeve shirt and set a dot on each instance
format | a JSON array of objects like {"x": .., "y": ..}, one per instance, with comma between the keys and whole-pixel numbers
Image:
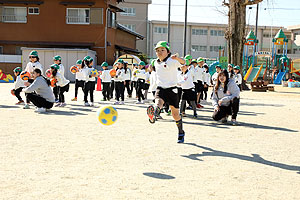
[
  {"x": 238, "y": 78},
  {"x": 61, "y": 80},
  {"x": 127, "y": 75},
  {"x": 61, "y": 69},
  {"x": 153, "y": 80},
  {"x": 200, "y": 73},
  {"x": 80, "y": 75},
  {"x": 186, "y": 80},
  {"x": 140, "y": 74},
  {"x": 120, "y": 75},
  {"x": 19, "y": 83},
  {"x": 193, "y": 72},
  {"x": 214, "y": 78},
  {"x": 31, "y": 66},
  {"x": 206, "y": 78},
  {"x": 133, "y": 76},
  {"x": 87, "y": 72},
  {"x": 105, "y": 76}
]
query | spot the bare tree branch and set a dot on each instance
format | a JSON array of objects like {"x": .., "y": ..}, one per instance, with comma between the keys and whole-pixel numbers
[
  {"x": 225, "y": 3},
  {"x": 251, "y": 2}
]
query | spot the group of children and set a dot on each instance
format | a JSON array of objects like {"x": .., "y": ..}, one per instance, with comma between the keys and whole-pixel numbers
[{"x": 173, "y": 81}]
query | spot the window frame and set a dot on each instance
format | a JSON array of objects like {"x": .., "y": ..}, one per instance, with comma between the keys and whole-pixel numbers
[
  {"x": 130, "y": 25},
  {"x": 33, "y": 10},
  {"x": 160, "y": 30},
  {"x": 3, "y": 16},
  {"x": 126, "y": 13},
  {"x": 79, "y": 23}
]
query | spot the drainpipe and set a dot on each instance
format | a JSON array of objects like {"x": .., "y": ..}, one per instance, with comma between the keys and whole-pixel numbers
[{"x": 105, "y": 45}]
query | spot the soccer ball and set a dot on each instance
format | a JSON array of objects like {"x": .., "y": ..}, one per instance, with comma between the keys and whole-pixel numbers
[
  {"x": 107, "y": 115},
  {"x": 74, "y": 69},
  {"x": 48, "y": 73},
  {"x": 112, "y": 72},
  {"x": 94, "y": 73},
  {"x": 25, "y": 76}
]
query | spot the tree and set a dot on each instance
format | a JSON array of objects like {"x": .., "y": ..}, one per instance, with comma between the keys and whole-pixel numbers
[{"x": 235, "y": 33}]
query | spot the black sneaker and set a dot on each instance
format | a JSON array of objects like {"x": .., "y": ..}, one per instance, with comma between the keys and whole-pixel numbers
[
  {"x": 224, "y": 120},
  {"x": 181, "y": 138}
]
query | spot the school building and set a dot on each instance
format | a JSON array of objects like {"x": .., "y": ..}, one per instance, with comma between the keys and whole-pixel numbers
[
  {"x": 76, "y": 24},
  {"x": 135, "y": 18},
  {"x": 204, "y": 39}
]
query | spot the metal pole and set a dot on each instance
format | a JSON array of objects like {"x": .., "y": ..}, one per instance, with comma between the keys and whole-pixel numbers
[
  {"x": 185, "y": 26},
  {"x": 256, "y": 21},
  {"x": 169, "y": 21}
]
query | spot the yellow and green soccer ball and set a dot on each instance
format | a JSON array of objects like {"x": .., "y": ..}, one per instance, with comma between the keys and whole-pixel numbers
[{"x": 107, "y": 115}]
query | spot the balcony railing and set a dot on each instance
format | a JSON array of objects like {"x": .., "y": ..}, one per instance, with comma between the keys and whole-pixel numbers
[
  {"x": 78, "y": 20},
  {"x": 14, "y": 18}
]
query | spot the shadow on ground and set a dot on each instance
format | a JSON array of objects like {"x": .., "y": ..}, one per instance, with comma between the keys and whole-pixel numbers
[
  {"x": 158, "y": 175},
  {"x": 254, "y": 158}
]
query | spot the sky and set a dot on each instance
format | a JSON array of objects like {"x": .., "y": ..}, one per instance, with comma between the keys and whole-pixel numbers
[{"x": 271, "y": 12}]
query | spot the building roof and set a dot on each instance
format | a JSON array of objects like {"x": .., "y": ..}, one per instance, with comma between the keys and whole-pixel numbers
[
  {"x": 124, "y": 28},
  {"x": 126, "y": 49},
  {"x": 295, "y": 27},
  {"x": 49, "y": 43}
]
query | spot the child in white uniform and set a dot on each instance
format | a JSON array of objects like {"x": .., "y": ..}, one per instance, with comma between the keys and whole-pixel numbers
[
  {"x": 19, "y": 85},
  {"x": 79, "y": 79},
  {"x": 119, "y": 82},
  {"x": 90, "y": 80}
]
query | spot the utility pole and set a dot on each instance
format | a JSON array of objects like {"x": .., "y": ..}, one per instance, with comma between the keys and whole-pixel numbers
[
  {"x": 256, "y": 21},
  {"x": 169, "y": 21},
  {"x": 185, "y": 27}
]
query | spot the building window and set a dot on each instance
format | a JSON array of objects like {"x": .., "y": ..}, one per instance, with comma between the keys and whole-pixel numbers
[
  {"x": 33, "y": 11},
  {"x": 1, "y": 50},
  {"x": 215, "y": 48},
  {"x": 158, "y": 29},
  {"x": 78, "y": 16},
  {"x": 217, "y": 33},
  {"x": 14, "y": 14},
  {"x": 18, "y": 50},
  {"x": 111, "y": 19},
  {"x": 128, "y": 12},
  {"x": 130, "y": 26},
  {"x": 199, "y": 32},
  {"x": 199, "y": 48}
]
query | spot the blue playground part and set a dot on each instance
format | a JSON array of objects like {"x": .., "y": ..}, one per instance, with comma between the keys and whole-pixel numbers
[{"x": 279, "y": 77}]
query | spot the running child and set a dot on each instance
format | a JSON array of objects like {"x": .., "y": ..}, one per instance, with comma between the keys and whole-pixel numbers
[
  {"x": 127, "y": 79},
  {"x": 106, "y": 81},
  {"x": 80, "y": 79},
  {"x": 166, "y": 68}
]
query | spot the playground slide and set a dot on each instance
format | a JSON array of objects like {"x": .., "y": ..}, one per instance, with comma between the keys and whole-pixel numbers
[
  {"x": 254, "y": 74},
  {"x": 279, "y": 77},
  {"x": 248, "y": 73}
]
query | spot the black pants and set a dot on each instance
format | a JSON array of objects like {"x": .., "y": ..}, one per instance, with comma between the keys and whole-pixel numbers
[
  {"x": 112, "y": 87},
  {"x": 127, "y": 86},
  {"x": 39, "y": 101},
  {"x": 120, "y": 88},
  {"x": 140, "y": 86},
  {"x": 89, "y": 87},
  {"x": 106, "y": 90},
  {"x": 133, "y": 86},
  {"x": 55, "y": 92},
  {"x": 61, "y": 92},
  {"x": 232, "y": 109},
  {"x": 17, "y": 93},
  {"x": 78, "y": 84}
]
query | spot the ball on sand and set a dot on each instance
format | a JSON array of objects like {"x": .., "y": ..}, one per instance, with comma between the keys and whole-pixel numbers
[{"x": 107, "y": 115}]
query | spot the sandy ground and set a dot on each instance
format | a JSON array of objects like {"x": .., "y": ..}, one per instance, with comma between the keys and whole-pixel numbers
[{"x": 67, "y": 154}]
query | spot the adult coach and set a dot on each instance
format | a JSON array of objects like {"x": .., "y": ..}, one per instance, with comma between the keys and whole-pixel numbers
[{"x": 166, "y": 66}]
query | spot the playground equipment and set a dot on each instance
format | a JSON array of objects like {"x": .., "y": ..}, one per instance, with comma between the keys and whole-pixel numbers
[
  {"x": 279, "y": 62},
  {"x": 5, "y": 78},
  {"x": 251, "y": 41},
  {"x": 253, "y": 73}
]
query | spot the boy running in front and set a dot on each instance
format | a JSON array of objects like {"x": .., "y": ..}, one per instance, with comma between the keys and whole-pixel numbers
[{"x": 166, "y": 67}]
